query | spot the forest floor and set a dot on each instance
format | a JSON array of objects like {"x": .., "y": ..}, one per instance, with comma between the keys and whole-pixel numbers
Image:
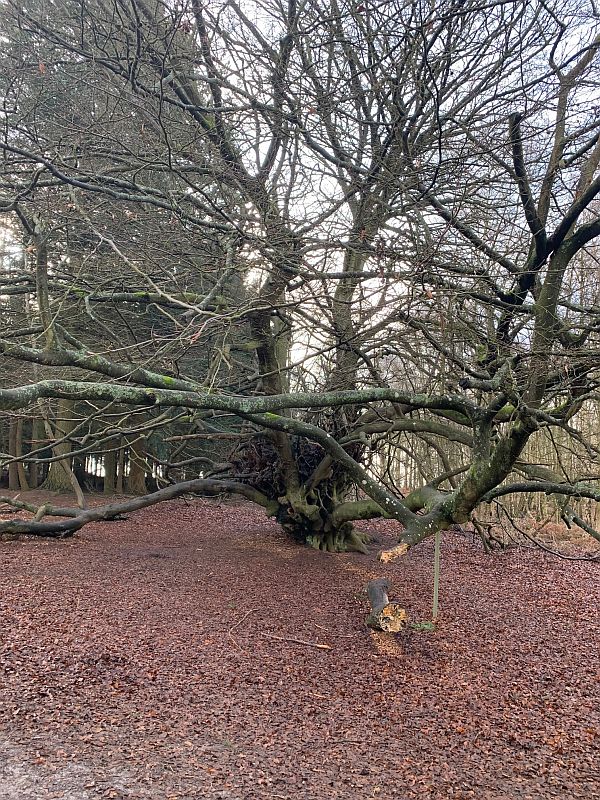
[{"x": 174, "y": 656}]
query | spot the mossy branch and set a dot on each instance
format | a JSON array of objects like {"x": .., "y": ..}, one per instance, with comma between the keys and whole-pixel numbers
[{"x": 78, "y": 518}]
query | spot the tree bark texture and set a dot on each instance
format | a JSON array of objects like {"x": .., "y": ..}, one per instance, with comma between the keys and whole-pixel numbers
[{"x": 136, "y": 480}]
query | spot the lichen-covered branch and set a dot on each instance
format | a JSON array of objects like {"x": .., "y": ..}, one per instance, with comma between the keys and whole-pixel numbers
[
  {"x": 23, "y": 396},
  {"x": 77, "y": 518}
]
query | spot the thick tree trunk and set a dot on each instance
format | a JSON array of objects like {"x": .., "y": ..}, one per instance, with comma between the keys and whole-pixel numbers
[
  {"x": 120, "y": 470},
  {"x": 342, "y": 539},
  {"x": 60, "y": 476},
  {"x": 19, "y": 453},
  {"x": 110, "y": 468},
  {"x": 136, "y": 481},
  {"x": 17, "y": 480},
  {"x": 37, "y": 440},
  {"x": 13, "y": 476},
  {"x": 384, "y": 616},
  {"x": 311, "y": 521}
]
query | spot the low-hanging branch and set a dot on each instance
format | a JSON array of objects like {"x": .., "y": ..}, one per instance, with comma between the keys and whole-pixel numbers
[
  {"x": 77, "y": 518},
  {"x": 578, "y": 490},
  {"x": 22, "y": 396},
  {"x": 64, "y": 357}
]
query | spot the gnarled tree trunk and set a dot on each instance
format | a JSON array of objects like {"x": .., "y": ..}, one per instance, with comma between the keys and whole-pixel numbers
[{"x": 312, "y": 517}]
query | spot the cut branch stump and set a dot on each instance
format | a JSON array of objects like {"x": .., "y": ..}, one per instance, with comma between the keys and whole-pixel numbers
[
  {"x": 386, "y": 556},
  {"x": 384, "y": 616}
]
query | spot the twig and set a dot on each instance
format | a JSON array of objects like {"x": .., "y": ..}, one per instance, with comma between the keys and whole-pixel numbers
[
  {"x": 297, "y": 641},
  {"x": 233, "y": 627},
  {"x": 333, "y": 633},
  {"x": 239, "y": 622},
  {"x": 537, "y": 543}
]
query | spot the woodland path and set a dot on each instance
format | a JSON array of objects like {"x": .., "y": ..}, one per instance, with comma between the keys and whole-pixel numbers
[{"x": 137, "y": 660}]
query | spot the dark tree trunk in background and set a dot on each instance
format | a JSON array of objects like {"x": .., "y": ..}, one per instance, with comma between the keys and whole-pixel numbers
[
  {"x": 37, "y": 439},
  {"x": 58, "y": 479},
  {"x": 136, "y": 480},
  {"x": 110, "y": 467},
  {"x": 13, "y": 474}
]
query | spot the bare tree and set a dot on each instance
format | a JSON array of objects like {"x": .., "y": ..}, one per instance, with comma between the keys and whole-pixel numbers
[{"x": 405, "y": 192}]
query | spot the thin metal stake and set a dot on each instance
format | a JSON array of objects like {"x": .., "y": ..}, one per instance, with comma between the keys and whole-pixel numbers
[{"x": 436, "y": 575}]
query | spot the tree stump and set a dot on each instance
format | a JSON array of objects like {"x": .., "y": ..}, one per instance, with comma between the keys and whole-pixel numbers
[{"x": 384, "y": 616}]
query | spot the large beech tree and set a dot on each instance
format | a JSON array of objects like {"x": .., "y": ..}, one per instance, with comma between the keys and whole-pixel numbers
[{"x": 405, "y": 192}]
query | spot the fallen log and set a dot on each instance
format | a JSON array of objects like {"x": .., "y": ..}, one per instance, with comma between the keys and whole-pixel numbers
[{"x": 384, "y": 616}]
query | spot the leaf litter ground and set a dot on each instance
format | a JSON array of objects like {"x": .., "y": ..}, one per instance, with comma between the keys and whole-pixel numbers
[{"x": 155, "y": 659}]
